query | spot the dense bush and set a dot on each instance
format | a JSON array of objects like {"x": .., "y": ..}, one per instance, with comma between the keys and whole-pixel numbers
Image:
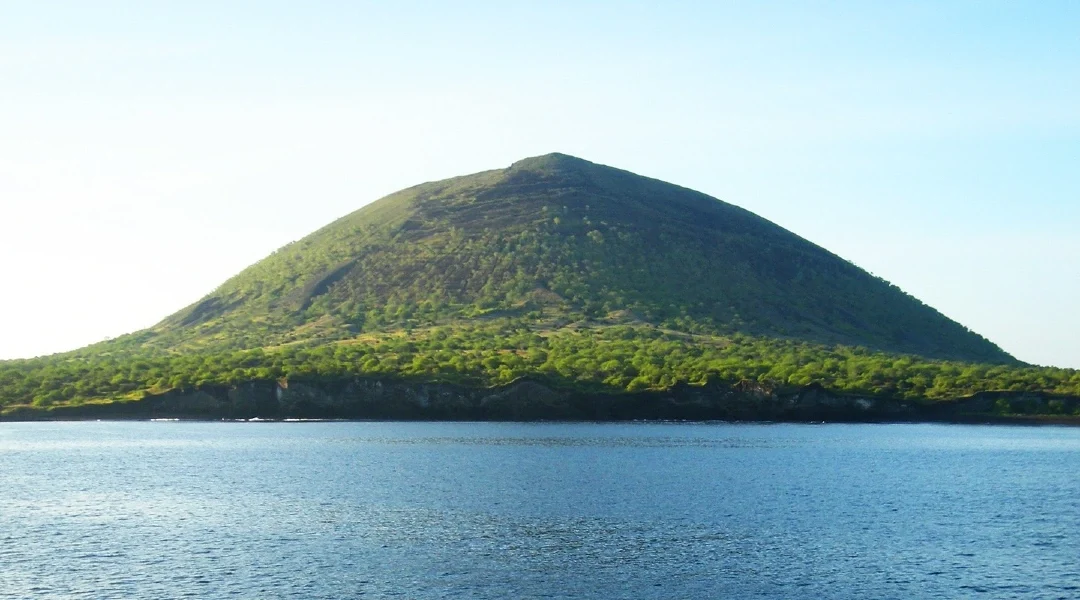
[{"x": 609, "y": 358}]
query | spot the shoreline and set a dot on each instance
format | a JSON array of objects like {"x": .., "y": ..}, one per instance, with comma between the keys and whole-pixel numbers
[{"x": 533, "y": 400}]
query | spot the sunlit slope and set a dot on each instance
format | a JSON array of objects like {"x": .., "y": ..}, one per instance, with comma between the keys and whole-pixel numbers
[{"x": 556, "y": 239}]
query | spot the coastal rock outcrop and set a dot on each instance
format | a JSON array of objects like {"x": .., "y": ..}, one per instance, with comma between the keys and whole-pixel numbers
[{"x": 530, "y": 399}]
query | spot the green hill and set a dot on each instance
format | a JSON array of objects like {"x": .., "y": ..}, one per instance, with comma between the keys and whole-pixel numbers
[
  {"x": 560, "y": 237},
  {"x": 589, "y": 278}
]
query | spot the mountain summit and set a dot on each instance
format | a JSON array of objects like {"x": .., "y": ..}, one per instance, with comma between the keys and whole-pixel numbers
[{"x": 559, "y": 240}]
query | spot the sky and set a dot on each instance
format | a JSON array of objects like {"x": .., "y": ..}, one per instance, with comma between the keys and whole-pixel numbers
[{"x": 150, "y": 150}]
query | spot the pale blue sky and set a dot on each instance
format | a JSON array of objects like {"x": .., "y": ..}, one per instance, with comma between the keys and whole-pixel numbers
[{"x": 148, "y": 151}]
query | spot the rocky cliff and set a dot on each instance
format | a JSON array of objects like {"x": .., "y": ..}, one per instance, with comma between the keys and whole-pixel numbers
[{"x": 527, "y": 399}]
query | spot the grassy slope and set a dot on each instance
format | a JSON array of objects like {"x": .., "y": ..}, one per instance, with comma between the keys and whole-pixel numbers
[
  {"x": 559, "y": 235},
  {"x": 585, "y": 274}
]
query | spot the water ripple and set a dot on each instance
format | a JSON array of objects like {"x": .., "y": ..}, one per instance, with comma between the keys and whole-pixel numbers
[{"x": 382, "y": 510}]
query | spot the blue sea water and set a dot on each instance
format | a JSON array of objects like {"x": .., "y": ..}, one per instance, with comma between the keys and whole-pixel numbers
[{"x": 496, "y": 510}]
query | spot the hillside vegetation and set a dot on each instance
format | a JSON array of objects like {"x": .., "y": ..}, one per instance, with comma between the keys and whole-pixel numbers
[
  {"x": 560, "y": 236},
  {"x": 599, "y": 357},
  {"x": 586, "y": 275}
]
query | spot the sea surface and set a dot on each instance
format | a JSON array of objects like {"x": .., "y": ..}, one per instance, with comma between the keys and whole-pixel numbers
[{"x": 158, "y": 510}]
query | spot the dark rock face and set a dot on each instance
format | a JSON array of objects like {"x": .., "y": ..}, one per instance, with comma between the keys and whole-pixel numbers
[{"x": 530, "y": 400}]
